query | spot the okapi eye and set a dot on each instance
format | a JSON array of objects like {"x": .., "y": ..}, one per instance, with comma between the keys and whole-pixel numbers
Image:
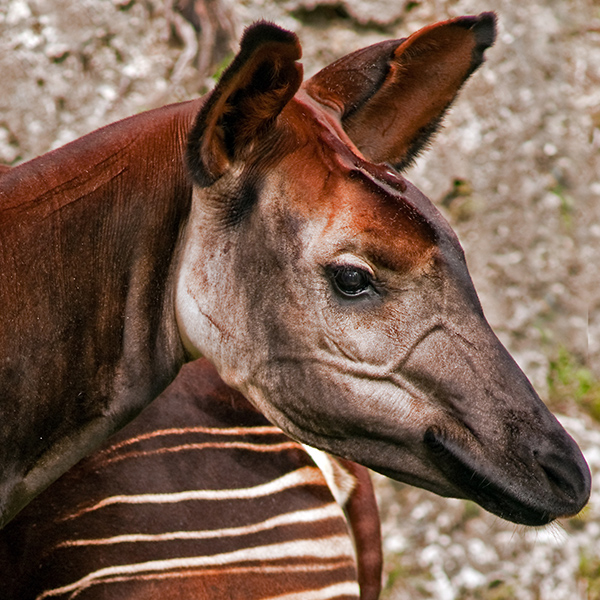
[{"x": 351, "y": 281}]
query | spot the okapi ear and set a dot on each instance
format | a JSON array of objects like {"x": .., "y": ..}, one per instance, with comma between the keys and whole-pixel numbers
[
  {"x": 251, "y": 93},
  {"x": 391, "y": 97}
]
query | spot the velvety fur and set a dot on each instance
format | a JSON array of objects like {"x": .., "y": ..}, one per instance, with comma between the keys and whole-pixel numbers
[{"x": 229, "y": 227}]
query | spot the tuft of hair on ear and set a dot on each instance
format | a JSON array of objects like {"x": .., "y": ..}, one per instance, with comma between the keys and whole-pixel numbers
[
  {"x": 246, "y": 101},
  {"x": 422, "y": 142}
]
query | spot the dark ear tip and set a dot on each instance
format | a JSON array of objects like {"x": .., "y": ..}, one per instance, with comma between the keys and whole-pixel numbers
[
  {"x": 482, "y": 25},
  {"x": 485, "y": 29},
  {"x": 263, "y": 32}
]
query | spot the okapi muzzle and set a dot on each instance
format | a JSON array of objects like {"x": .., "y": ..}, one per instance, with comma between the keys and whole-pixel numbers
[{"x": 340, "y": 300}]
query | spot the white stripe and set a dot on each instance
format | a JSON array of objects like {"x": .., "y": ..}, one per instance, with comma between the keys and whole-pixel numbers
[
  {"x": 340, "y": 482},
  {"x": 204, "y": 446},
  {"x": 303, "y": 476},
  {"x": 261, "y": 570},
  {"x": 335, "y": 547},
  {"x": 262, "y": 430},
  {"x": 330, "y": 511},
  {"x": 348, "y": 588}
]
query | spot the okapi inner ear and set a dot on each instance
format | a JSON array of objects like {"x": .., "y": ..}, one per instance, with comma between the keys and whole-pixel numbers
[
  {"x": 261, "y": 80},
  {"x": 392, "y": 96}
]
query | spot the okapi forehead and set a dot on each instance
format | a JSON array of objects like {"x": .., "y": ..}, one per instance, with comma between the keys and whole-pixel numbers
[
  {"x": 373, "y": 205},
  {"x": 383, "y": 222}
]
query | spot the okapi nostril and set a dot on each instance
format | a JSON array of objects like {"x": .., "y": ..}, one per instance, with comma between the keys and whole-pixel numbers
[
  {"x": 566, "y": 480},
  {"x": 557, "y": 480},
  {"x": 433, "y": 442}
]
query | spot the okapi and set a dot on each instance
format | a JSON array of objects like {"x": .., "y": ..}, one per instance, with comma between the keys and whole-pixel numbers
[
  {"x": 267, "y": 227},
  {"x": 199, "y": 497}
]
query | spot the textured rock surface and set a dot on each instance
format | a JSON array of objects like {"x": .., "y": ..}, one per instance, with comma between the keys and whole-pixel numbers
[{"x": 517, "y": 171}]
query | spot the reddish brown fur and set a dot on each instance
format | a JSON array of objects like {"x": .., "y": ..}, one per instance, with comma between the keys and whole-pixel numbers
[
  {"x": 366, "y": 528},
  {"x": 270, "y": 64},
  {"x": 423, "y": 75},
  {"x": 386, "y": 225},
  {"x": 89, "y": 233}
]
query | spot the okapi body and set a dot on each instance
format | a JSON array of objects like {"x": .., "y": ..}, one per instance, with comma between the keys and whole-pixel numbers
[
  {"x": 267, "y": 227},
  {"x": 199, "y": 497}
]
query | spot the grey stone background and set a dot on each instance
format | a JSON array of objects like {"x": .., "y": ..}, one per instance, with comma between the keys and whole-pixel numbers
[{"x": 516, "y": 171}]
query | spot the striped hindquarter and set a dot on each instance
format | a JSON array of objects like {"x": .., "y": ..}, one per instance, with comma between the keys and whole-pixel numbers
[{"x": 199, "y": 497}]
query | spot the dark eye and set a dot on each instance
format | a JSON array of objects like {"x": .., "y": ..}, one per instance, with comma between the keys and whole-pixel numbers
[{"x": 351, "y": 281}]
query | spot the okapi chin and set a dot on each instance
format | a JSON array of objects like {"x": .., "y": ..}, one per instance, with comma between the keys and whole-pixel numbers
[{"x": 268, "y": 228}]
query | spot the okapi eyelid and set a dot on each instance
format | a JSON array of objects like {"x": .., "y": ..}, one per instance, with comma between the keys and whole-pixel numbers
[{"x": 351, "y": 261}]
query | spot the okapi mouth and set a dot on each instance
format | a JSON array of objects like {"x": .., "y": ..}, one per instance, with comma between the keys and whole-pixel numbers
[{"x": 537, "y": 496}]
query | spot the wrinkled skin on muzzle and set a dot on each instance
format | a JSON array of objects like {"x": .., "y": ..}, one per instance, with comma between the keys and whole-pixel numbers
[{"x": 335, "y": 296}]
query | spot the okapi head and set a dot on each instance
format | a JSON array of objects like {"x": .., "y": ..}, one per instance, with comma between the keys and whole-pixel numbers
[{"x": 333, "y": 294}]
